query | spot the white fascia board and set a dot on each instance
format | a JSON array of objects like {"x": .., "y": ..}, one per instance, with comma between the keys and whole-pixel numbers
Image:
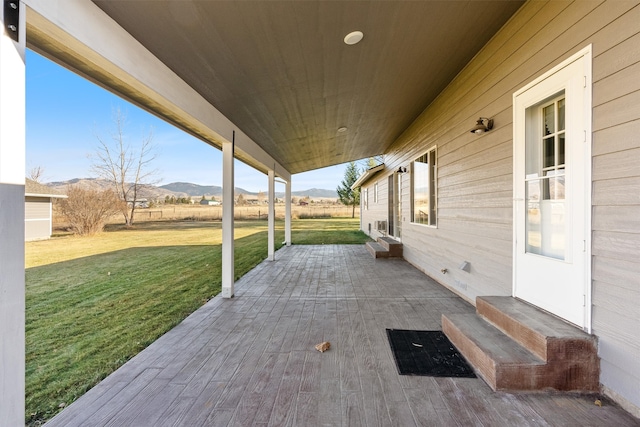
[
  {"x": 366, "y": 175},
  {"x": 51, "y": 196},
  {"x": 80, "y": 36}
]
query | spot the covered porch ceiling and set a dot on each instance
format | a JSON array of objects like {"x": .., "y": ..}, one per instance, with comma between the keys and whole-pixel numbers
[{"x": 281, "y": 72}]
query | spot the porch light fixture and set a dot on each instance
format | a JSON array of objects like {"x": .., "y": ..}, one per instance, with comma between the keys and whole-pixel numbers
[
  {"x": 481, "y": 127},
  {"x": 402, "y": 169},
  {"x": 353, "y": 37}
]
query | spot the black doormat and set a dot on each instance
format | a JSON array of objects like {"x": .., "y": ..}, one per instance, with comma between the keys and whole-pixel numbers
[{"x": 427, "y": 353}]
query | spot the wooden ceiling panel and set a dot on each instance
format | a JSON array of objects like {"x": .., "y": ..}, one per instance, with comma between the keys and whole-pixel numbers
[{"x": 281, "y": 72}]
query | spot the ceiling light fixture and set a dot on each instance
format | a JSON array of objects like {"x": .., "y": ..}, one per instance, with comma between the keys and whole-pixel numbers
[
  {"x": 481, "y": 127},
  {"x": 342, "y": 129},
  {"x": 353, "y": 37}
]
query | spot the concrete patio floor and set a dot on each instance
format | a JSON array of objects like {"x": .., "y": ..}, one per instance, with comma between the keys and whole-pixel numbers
[{"x": 250, "y": 360}]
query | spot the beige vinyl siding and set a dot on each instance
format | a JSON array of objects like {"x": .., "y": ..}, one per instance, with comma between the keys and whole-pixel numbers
[
  {"x": 37, "y": 230},
  {"x": 37, "y": 215},
  {"x": 616, "y": 207},
  {"x": 37, "y": 208},
  {"x": 475, "y": 173},
  {"x": 377, "y": 210}
]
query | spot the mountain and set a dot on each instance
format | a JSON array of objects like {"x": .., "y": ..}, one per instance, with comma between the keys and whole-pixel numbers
[
  {"x": 89, "y": 183},
  {"x": 314, "y": 193},
  {"x": 317, "y": 193},
  {"x": 195, "y": 190},
  {"x": 148, "y": 192},
  {"x": 183, "y": 189}
]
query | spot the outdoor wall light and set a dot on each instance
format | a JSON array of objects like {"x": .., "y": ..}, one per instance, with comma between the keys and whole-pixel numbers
[
  {"x": 402, "y": 169},
  {"x": 481, "y": 127}
]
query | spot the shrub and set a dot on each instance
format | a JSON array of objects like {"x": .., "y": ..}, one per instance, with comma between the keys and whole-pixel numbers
[
  {"x": 87, "y": 210},
  {"x": 317, "y": 215}
]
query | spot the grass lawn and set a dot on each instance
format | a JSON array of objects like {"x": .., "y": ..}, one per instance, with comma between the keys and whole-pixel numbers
[{"x": 95, "y": 302}]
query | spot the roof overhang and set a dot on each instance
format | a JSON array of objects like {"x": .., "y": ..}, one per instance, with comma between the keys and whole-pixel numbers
[
  {"x": 276, "y": 72},
  {"x": 367, "y": 175},
  {"x": 78, "y": 35}
]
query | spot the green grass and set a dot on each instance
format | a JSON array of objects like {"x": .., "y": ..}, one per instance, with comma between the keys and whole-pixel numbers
[
  {"x": 331, "y": 231},
  {"x": 95, "y": 302}
]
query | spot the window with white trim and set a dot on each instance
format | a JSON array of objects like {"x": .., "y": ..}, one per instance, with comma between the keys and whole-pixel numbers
[
  {"x": 375, "y": 193},
  {"x": 365, "y": 199},
  {"x": 423, "y": 189}
]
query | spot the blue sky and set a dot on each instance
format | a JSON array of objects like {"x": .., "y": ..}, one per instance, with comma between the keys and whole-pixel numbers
[{"x": 65, "y": 112}]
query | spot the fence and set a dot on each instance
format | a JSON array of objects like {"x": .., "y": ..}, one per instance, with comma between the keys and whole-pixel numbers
[
  {"x": 241, "y": 212},
  {"x": 208, "y": 213}
]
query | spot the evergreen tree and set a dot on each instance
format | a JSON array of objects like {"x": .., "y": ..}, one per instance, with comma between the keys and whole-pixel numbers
[{"x": 348, "y": 196}]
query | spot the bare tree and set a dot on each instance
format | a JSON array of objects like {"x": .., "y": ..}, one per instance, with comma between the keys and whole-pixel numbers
[
  {"x": 126, "y": 167},
  {"x": 36, "y": 174},
  {"x": 87, "y": 210}
]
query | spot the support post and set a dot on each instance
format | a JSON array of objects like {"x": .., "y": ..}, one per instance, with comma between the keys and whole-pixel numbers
[
  {"x": 272, "y": 216},
  {"x": 12, "y": 166},
  {"x": 228, "y": 202},
  {"x": 287, "y": 213}
]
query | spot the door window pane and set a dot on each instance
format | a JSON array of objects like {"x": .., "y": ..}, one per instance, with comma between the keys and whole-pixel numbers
[
  {"x": 549, "y": 120},
  {"x": 555, "y": 185},
  {"x": 545, "y": 178},
  {"x": 561, "y": 149},
  {"x": 534, "y": 241},
  {"x": 549, "y": 152},
  {"x": 561, "y": 114}
]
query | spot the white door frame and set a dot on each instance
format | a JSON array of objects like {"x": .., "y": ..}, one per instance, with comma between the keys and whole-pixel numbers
[
  {"x": 394, "y": 192},
  {"x": 586, "y": 55}
]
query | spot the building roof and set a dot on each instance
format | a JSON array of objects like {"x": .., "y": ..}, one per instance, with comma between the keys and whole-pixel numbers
[
  {"x": 35, "y": 189},
  {"x": 368, "y": 174}
]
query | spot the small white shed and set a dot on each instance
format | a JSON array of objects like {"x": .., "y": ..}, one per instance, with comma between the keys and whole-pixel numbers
[{"x": 38, "y": 210}]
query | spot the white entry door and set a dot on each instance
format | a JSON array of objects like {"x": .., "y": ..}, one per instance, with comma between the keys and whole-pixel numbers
[{"x": 552, "y": 176}]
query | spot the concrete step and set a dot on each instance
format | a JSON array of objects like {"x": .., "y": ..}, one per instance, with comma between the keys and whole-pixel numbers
[
  {"x": 499, "y": 360},
  {"x": 376, "y": 250},
  {"x": 541, "y": 333},
  {"x": 393, "y": 246},
  {"x": 525, "y": 349}
]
